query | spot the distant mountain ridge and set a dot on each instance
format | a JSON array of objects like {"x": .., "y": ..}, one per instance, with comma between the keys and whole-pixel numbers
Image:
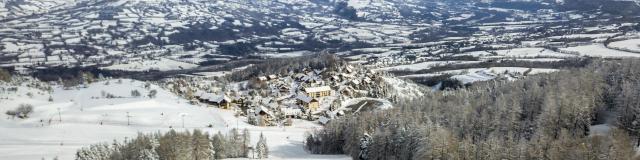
[{"x": 17, "y": 8}]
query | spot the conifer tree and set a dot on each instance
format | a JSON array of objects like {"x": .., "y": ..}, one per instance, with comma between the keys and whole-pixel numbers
[
  {"x": 246, "y": 142},
  {"x": 201, "y": 145},
  {"x": 219, "y": 144},
  {"x": 262, "y": 150}
]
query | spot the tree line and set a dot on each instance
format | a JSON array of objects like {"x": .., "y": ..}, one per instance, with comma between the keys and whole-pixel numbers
[
  {"x": 195, "y": 145},
  {"x": 546, "y": 116},
  {"x": 567, "y": 63},
  {"x": 286, "y": 65}
]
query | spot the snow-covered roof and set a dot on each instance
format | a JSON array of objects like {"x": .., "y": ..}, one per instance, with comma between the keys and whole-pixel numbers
[
  {"x": 219, "y": 98},
  {"x": 367, "y": 80},
  {"x": 355, "y": 81},
  {"x": 317, "y": 89},
  {"x": 306, "y": 78},
  {"x": 323, "y": 120},
  {"x": 264, "y": 109},
  {"x": 304, "y": 98},
  {"x": 291, "y": 111},
  {"x": 299, "y": 75},
  {"x": 206, "y": 96},
  {"x": 199, "y": 93},
  {"x": 272, "y": 105},
  {"x": 346, "y": 75},
  {"x": 284, "y": 97}
]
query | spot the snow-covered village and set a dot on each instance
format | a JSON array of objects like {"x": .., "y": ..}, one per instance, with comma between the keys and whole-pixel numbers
[{"x": 319, "y": 79}]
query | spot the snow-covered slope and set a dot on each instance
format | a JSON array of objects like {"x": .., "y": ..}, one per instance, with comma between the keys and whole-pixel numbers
[
  {"x": 80, "y": 117},
  {"x": 404, "y": 89},
  {"x": 484, "y": 74},
  {"x": 163, "y": 64}
]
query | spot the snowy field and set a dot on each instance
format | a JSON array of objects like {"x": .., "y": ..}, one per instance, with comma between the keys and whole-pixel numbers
[
  {"x": 531, "y": 53},
  {"x": 484, "y": 74},
  {"x": 80, "y": 117},
  {"x": 404, "y": 89},
  {"x": 518, "y": 53},
  {"x": 425, "y": 65},
  {"x": 599, "y": 50},
  {"x": 163, "y": 64},
  {"x": 630, "y": 45},
  {"x": 578, "y": 36}
]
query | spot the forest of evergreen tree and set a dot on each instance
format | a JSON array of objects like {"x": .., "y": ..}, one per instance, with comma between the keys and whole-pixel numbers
[
  {"x": 546, "y": 116},
  {"x": 195, "y": 145}
]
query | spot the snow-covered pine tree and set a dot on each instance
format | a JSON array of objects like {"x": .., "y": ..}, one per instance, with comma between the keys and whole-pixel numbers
[
  {"x": 116, "y": 151},
  {"x": 252, "y": 119},
  {"x": 201, "y": 145},
  {"x": 234, "y": 143},
  {"x": 262, "y": 151},
  {"x": 153, "y": 93},
  {"x": 135, "y": 93},
  {"x": 142, "y": 147},
  {"x": 364, "y": 145},
  {"x": 84, "y": 154},
  {"x": 212, "y": 151},
  {"x": 219, "y": 144},
  {"x": 148, "y": 154},
  {"x": 167, "y": 148},
  {"x": 184, "y": 146},
  {"x": 102, "y": 151},
  {"x": 246, "y": 141}
]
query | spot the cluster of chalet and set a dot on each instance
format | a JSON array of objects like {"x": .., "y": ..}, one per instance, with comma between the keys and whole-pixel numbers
[
  {"x": 310, "y": 99},
  {"x": 219, "y": 100},
  {"x": 309, "y": 94}
]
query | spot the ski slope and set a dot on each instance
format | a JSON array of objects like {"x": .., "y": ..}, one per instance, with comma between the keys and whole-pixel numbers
[{"x": 86, "y": 118}]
